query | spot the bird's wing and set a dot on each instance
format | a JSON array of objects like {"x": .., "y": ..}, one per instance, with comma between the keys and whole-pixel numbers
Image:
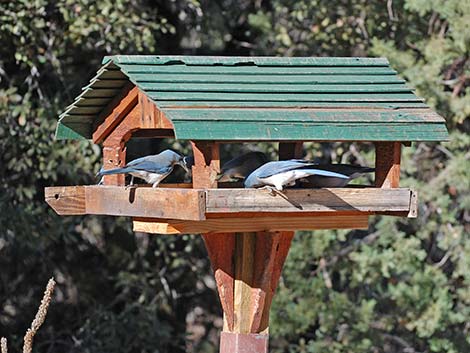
[
  {"x": 151, "y": 167},
  {"x": 152, "y": 158},
  {"x": 272, "y": 168}
]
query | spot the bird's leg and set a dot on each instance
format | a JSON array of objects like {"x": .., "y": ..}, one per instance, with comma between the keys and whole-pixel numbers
[
  {"x": 131, "y": 184},
  {"x": 272, "y": 190}
]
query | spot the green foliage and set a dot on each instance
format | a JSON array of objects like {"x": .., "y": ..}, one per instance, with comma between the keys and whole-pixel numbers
[{"x": 403, "y": 286}]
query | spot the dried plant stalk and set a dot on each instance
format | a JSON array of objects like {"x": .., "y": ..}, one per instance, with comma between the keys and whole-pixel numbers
[
  {"x": 4, "y": 347},
  {"x": 40, "y": 317}
]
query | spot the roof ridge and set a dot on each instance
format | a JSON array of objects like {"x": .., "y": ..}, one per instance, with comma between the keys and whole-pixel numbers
[{"x": 246, "y": 60}]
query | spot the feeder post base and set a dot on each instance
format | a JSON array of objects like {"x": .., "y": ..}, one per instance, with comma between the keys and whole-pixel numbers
[{"x": 231, "y": 342}]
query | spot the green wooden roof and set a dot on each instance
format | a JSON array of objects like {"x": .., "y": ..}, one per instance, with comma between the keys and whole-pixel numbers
[{"x": 263, "y": 98}]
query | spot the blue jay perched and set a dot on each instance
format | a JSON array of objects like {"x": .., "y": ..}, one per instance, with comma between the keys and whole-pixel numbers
[
  {"x": 153, "y": 169},
  {"x": 351, "y": 171},
  {"x": 242, "y": 166},
  {"x": 285, "y": 173}
]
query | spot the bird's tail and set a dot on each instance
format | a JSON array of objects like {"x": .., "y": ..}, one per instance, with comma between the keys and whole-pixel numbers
[
  {"x": 367, "y": 170},
  {"x": 112, "y": 171}
]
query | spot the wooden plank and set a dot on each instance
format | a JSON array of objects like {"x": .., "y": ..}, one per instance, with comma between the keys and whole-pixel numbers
[
  {"x": 100, "y": 93},
  {"x": 255, "y": 78},
  {"x": 259, "y": 223},
  {"x": 248, "y": 104},
  {"x": 284, "y": 97},
  {"x": 117, "y": 109},
  {"x": 107, "y": 83},
  {"x": 307, "y": 200},
  {"x": 66, "y": 200},
  {"x": 81, "y": 110},
  {"x": 297, "y": 131},
  {"x": 244, "y": 60},
  {"x": 76, "y": 131},
  {"x": 387, "y": 164},
  {"x": 220, "y": 205},
  {"x": 109, "y": 74},
  {"x": 133, "y": 69},
  {"x": 206, "y": 164},
  {"x": 132, "y": 202},
  {"x": 274, "y": 88},
  {"x": 307, "y": 115},
  {"x": 145, "y": 202}
]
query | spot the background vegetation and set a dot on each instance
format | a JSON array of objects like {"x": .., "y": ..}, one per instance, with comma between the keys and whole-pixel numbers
[{"x": 403, "y": 286}]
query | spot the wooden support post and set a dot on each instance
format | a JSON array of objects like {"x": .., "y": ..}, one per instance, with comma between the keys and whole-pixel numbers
[
  {"x": 114, "y": 145},
  {"x": 247, "y": 268},
  {"x": 206, "y": 164},
  {"x": 290, "y": 150},
  {"x": 387, "y": 164}
]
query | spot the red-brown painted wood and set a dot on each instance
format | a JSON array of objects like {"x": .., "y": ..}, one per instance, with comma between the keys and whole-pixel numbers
[
  {"x": 206, "y": 164},
  {"x": 243, "y": 342},
  {"x": 387, "y": 164}
]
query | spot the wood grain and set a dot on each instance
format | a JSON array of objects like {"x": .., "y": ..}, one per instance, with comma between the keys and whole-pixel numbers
[
  {"x": 185, "y": 204},
  {"x": 66, "y": 200},
  {"x": 115, "y": 112},
  {"x": 206, "y": 164},
  {"x": 220, "y": 248},
  {"x": 151, "y": 116},
  {"x": 243, "y": 305},
  {"x": 251, "y": 224},
  {"x": 307, "y": 200},
  {"x": 387, "y": 164}
]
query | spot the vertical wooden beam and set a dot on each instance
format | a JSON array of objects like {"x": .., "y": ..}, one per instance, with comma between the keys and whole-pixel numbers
[
  {"x": 290, "y": 150},
  {"x": 114, "y": 157},
  {"x": 245, "y": 246},
  {"x": 387, "y": 164},
  {"x": 220, "y": 248},
  {"x": 206, "y": 164},
  {"x": 114, "y": 145}
]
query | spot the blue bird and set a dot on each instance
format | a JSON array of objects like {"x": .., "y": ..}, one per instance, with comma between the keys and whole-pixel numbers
[
  {"x": 285, "y": 173},
  {"x": 153, "y": 169},
  {"x": 242, "y": 166}
]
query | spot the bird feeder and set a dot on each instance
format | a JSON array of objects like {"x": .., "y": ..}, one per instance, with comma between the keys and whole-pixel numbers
[{"x": 214, "y": 100}]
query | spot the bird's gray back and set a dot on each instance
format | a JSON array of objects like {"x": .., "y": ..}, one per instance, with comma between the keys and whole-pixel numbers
[{"x": 164, "y": 158}]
